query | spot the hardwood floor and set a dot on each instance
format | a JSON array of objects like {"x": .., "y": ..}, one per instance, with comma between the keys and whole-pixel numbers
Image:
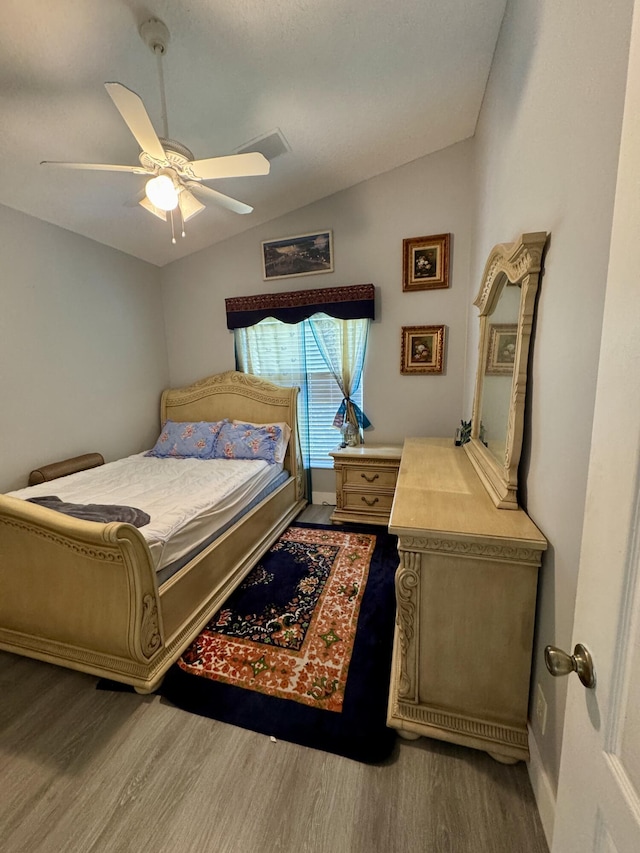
[{"x": 91, "y": 771}]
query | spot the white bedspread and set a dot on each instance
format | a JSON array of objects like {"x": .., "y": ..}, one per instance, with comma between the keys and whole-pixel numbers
[{"x": 187, "y": 499}]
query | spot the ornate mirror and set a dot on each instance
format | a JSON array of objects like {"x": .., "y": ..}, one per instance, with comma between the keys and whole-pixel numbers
[{"x": 506, "y": 301}]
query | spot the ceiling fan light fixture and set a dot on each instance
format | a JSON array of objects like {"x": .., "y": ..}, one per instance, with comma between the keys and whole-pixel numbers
[
  {"x": 174, "y": 179},
  {"x": 161, "y": 192}
]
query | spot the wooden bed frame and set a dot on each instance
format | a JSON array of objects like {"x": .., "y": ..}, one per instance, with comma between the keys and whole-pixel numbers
[{"x": 84, "y": 595}]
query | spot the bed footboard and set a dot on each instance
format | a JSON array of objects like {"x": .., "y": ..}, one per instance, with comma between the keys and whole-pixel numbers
[
  {"x": 84, "y": 595},
  {"x": 77, "y": 593}
]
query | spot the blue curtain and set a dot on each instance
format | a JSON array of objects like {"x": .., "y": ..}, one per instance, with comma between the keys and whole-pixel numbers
[{"x": 343, "y": 345}]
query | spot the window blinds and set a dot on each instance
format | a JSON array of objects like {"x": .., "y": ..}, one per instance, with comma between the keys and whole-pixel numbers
[{"x": 288, "y": 354}]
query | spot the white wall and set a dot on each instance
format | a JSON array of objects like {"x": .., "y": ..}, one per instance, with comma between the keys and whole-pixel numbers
[
  {"x": 82, "y": 348},
  {"x": 369, "y": 222},
  {"x": 546, "y": 158}
]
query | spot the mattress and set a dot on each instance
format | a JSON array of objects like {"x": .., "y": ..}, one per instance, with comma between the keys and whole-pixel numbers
[{"x": 188, "y": 500}]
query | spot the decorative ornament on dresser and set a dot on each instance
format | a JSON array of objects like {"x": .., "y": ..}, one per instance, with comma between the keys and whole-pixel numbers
[{"x": 349, "y": 434}]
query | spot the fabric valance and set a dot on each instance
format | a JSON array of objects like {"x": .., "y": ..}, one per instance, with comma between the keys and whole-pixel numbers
[{"x": 353, "y": 302}]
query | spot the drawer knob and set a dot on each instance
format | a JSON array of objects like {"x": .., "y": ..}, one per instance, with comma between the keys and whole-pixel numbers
[
  {"x": 370, "y": 479},
  {"x": 370, "y": 502}
]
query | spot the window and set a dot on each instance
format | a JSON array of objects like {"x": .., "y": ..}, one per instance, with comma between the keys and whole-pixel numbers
[{"x": 289, "y": 355}]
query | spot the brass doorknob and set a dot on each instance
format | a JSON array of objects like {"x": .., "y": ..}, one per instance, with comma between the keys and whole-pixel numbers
[{"x": 560, "y": 663}]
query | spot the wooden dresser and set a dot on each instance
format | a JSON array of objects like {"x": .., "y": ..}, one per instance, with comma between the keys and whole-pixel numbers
[
  {"x": 466, "y": 593},
  {"x": 365, "y": 482}
]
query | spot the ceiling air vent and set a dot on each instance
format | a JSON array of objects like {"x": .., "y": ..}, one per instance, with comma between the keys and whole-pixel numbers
[{"x": 271, "y": 145}]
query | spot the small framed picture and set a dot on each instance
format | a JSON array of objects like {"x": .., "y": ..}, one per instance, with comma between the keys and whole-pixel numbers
[
  {"x": 501, "y": 352},
  {"x": 422, "y": 349},
  {"x": 306, "y": 254},
  {"x": 425, "y": 262}
]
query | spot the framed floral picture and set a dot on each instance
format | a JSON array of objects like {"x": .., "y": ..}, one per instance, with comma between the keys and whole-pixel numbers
[
  {"x": 425, "y": 262},
  {"x": 306, "y": 254},
  {"x": 422, "y": 349},
  {"x": 502, "y": 348}
]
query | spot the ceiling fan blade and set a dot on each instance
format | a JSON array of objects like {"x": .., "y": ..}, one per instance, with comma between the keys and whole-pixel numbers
[
  {"x": 102, "y": 167},
  {"x": 223, "y": 200},
  {"x": 133, "y": 111},
  {"x": 189, "y": 205},
  {"x": 144, "y": 202},
  {"x": 233, "y": 166}
]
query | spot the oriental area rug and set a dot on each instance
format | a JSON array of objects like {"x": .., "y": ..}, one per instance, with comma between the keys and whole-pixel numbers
[{"x": 301, "y": 651}]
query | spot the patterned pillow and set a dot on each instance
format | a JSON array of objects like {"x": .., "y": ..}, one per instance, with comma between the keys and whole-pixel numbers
[
  {"x": 187, "y": 440},
  {"x": 281, "y": 443},
  {"x": 243, "y": 441}
]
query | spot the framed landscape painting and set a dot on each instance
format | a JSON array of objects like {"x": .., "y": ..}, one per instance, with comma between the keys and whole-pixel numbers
[
  {"x": 306, "y": 254},
  {"x": 422, "y": 349},
  {"x": 425, "y": 262}
]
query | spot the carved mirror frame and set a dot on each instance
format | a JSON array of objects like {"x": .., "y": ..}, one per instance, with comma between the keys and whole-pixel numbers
[{"x": 519, "y": 264}]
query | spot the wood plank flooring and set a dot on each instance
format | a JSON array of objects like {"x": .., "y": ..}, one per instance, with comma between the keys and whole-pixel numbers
[{"x": 90, "y": 771}]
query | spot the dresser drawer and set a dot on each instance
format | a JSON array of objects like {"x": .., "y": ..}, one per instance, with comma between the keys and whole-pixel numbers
[
  {"x": 363, "y": 501},
  {"x": 366, "y": 476}
]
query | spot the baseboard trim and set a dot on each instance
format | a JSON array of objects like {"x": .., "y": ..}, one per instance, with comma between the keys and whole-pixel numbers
[
  {"x": 321, "y": 498},
  {"x": 543, "y": 790}
]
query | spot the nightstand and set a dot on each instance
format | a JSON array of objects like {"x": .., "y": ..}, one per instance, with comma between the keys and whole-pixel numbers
[{"x": 365, "y": 482}]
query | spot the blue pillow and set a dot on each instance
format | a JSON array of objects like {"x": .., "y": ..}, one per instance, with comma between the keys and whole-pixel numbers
[
  {"x": 187, "y": 440},
  {"x": 244, "y": 441}
]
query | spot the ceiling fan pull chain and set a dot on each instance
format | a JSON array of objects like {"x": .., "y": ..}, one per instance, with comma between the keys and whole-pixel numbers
[{"x": 173, "y": 236}]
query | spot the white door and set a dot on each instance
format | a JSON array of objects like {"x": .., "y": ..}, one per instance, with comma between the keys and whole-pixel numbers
[{"x": 598, "y": 805}]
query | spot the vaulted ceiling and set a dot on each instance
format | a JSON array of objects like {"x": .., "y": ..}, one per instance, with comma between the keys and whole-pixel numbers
[{"x": 353, "y": 88}]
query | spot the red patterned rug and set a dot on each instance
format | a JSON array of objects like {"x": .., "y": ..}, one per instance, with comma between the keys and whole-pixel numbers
[{"x": 302, "y": 648}]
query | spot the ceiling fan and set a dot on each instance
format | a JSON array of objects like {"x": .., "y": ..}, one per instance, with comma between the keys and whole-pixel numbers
[{"x": 174, "y": 177}]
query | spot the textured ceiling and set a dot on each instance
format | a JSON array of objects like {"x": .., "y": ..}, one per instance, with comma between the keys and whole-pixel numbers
[{"x": 355, "y": 87}]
